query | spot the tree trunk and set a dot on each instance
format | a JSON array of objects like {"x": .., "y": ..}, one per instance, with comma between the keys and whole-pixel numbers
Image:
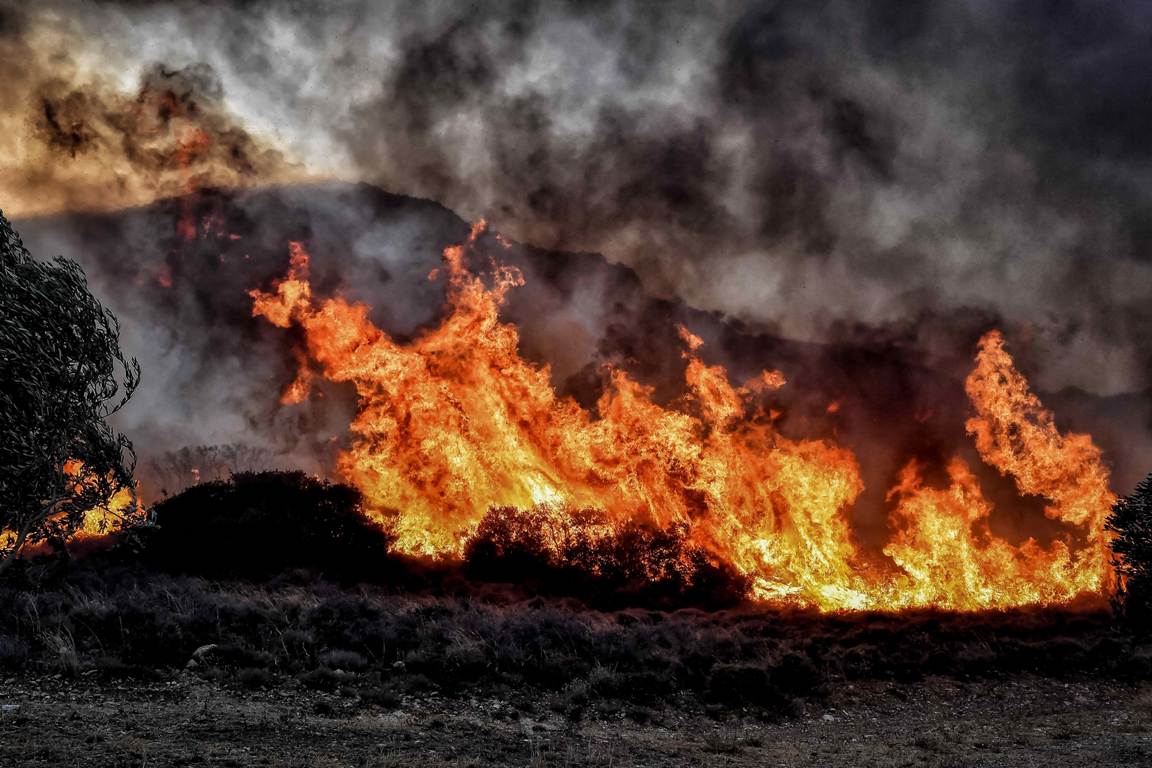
[{"x": 11, "y": 557}]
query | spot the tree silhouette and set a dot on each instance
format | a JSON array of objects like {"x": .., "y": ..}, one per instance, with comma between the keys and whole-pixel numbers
[
  {"x": 62, "y": 375},
  {"x": 1131, "y": 522}
]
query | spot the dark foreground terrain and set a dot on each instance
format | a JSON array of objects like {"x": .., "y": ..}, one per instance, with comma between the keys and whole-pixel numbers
[
  {"x": 130, "y": 667},
  {"x": 187, "y": 721},
  {"x": 263, "y": 621}
]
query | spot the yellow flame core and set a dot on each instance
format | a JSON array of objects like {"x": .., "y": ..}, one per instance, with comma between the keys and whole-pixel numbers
[
  {"x": 121, "y": 506},
  {"x": 456, "y": 422}
]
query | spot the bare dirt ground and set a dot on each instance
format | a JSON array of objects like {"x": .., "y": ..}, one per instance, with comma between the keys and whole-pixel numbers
[{"x": 186, "y": 721}]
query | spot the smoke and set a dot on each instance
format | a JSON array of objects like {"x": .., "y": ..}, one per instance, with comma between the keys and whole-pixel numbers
[
  {"x": 819, "y": 170},
  {"x": 74, "y": 139},
  {"x": 210, "y": 398}
]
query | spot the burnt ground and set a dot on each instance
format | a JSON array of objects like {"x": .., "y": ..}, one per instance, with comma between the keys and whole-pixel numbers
[{"x": 188, "y": 721}]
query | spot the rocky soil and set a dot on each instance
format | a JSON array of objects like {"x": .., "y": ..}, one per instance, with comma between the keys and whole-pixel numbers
[{"x": 187, "y": 721}]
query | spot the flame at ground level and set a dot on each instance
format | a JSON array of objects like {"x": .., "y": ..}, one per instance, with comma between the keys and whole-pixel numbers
[
  {"x": 122, "y": 505},
  {"x": 456, "y": 422},
  {"x": 113, "y": 506}
]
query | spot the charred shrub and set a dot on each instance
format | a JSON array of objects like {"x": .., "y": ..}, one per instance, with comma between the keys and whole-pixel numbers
[
  {"x": 581, "y": 554},
  {"x": 1131, "y": 522},
  {"x": 257, "y": 525}
]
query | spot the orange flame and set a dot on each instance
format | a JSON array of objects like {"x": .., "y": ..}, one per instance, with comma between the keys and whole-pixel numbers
[
  {"x": 121, "y": 506},
  {"x": 456, "y": 422}
]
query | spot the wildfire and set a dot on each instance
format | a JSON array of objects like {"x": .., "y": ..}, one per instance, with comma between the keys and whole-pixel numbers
[
  {"x": 103, "y": 518},
  {"x": 456, "y": 422}
]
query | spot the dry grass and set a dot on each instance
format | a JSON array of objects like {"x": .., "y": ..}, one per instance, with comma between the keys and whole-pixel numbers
[{"x": 374, "y": 646}]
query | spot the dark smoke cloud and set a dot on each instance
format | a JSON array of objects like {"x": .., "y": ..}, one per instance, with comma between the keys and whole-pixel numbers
[
  {"x": 215, "y": 372},
  {"x": 804, "y": 166}
]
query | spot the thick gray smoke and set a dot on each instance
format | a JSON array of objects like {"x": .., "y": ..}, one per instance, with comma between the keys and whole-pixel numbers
[{"x": 794, "y": 164}]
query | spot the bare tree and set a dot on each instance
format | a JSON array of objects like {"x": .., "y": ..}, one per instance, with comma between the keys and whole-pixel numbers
[{"x": 62, "y": 375}]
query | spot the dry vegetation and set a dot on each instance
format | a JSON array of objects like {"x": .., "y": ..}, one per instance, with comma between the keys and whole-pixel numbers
[
  {"x": 263, "y": 622},
  {"x": 374, "y": 646}
]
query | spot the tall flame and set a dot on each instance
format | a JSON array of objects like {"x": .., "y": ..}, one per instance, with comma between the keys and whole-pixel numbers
[{"x": 456, "y": 422}]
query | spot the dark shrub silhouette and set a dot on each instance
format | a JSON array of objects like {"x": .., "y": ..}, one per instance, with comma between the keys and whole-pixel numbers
[
  {"x": 261, "y": 524},
  {"x": 576, "y": 554},
  {"x": 1131, "y": 522}
]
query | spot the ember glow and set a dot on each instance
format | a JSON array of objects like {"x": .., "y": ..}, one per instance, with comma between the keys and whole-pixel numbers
[{"x": 457, "y": 422}]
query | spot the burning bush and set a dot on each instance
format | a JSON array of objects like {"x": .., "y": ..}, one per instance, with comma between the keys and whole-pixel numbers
[
  {"x": 1131, "y": 522},
  {"x": 581, "y": 553},
  {"x": 265, "y": 524},
  {"x": 261, "y": 524}
]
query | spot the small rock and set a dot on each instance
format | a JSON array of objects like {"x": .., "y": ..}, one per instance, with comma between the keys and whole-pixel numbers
[
  {"x": 828, "y": 718},
  {"x": 203, "y": 651},
  {"x": 199, "y": 655}
]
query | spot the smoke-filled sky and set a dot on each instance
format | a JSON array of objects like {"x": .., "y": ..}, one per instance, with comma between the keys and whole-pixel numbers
[{"x": 812, "y": 167}]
